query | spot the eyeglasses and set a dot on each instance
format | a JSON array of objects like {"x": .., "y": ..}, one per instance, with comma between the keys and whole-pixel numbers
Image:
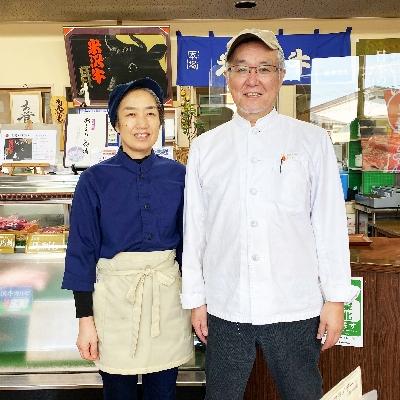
[{"x": 263, "y": 69}]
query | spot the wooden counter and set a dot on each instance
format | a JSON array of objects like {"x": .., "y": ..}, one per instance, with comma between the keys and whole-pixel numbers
[
  {"x": 387, "y": 228},
  {"x": 379, "y": 265}
]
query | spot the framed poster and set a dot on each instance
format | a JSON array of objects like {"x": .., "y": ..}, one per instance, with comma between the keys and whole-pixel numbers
[
  {"x": 26, "y": 106},
  {"x": 28, "y": 146},
  {"x": 103, "y": 57}
]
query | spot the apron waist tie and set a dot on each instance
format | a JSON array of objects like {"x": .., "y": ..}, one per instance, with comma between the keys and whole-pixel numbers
[{"x": 135, "y": 297}]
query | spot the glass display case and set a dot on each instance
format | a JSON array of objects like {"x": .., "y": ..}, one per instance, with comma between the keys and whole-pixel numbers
[
  {"x": 38, "y": 328},
  {"x": 37, "y": 321}
]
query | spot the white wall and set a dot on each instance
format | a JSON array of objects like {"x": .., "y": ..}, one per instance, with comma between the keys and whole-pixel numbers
[{"x": 34, "y": 53}]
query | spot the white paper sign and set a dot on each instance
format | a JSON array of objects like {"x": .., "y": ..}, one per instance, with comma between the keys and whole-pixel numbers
[
  {"x": 28, "y": 146},
  {"x": 349, "y": 388},
  {"x": 169, "y": 128},
  {"x": 86, "y": 138}
]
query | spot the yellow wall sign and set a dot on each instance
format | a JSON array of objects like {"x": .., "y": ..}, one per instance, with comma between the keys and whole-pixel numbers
[
  {"x": 7, "y": 243},
  {"x": 45, "y": 243}
]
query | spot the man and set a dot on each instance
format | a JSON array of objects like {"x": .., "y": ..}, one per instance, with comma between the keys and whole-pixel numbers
[{"x": 266, "y": 257}]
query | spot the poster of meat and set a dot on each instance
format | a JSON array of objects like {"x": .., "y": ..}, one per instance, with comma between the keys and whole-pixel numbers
[
  {"x": 381, "y": 151},
  {"x": 103, "y": 57}
]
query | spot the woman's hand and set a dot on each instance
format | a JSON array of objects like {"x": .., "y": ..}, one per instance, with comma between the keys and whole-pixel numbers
[
  {"x": 199, "y": 322},
  {"x": 87, "y": 339}
]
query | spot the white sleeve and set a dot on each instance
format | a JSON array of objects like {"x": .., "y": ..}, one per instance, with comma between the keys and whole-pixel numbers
[
  {"x": 193, "y": 290},
  {"x": 328, "y": 218}
]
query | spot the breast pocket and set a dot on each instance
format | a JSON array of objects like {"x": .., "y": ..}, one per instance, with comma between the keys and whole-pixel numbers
[{"x": 292, "y": 184}]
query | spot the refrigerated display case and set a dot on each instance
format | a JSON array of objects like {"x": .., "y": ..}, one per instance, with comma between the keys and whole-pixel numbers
[{"x": 37, "y": 323}]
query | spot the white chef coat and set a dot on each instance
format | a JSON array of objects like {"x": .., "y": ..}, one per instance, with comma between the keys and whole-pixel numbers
[{"x": 265, "y": 234}]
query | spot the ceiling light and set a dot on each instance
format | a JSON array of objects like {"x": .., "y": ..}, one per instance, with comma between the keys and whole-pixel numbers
[{"x": 245, "y": 3}]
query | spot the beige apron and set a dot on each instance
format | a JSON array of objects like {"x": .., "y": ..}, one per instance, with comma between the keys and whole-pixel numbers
[{"x": 140, "y": 323}]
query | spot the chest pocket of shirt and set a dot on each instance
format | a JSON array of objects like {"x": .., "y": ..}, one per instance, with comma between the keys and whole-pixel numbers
[{"x": 292, "y": 184}]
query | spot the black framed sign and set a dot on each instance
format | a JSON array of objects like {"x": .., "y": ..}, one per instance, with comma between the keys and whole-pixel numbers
[{"x": 103, "y": 57}]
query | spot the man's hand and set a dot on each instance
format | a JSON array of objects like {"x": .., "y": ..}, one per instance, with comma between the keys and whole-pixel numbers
[
  {"x": 331, "y": 321},
  {"x": 199, "y": 322},
  {"x": 87, "y": 339}
]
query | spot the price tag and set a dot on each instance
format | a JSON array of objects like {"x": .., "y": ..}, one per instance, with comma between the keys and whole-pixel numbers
[
  {"x": 45, "y": 243},
  {"x": 7, "y": 243}
]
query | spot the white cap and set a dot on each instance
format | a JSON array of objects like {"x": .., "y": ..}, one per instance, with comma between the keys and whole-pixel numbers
[{"x": 266, "y": 37}]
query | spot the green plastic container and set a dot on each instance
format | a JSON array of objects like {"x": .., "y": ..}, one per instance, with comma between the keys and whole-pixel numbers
[
  {"x": 377, "y": 178},
  {"x": 354, "y": 148}
]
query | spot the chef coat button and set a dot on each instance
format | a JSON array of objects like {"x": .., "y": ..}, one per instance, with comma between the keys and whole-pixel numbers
[
  {"x": 255, "y": 257},
  {"x": 253, "y": 224},
  {"x": 141, "y": 176},
  {"x": 146, "y": 206},
  {"x": 253, "y": 191}
]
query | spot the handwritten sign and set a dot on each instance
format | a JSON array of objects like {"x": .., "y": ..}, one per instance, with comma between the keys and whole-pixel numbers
[
  {"x": 58, "y": 109},
  {"x": 349, "y": 388},
  {"x": 7, "y": 243},
  {"x": 45, "y": 243},
  {"x": 86, "y": 138},
  {"x": 26, "y": 106}
]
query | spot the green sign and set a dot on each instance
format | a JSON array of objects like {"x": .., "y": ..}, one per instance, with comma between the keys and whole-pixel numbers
[{"x": 352, "y": 334}]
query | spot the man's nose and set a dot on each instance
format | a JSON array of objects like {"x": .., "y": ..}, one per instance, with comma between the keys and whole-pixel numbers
[{"x": 252, "y": 78}]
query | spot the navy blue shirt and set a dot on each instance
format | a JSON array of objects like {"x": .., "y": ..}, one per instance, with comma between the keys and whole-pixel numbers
[{"x": 120, "y": 205}]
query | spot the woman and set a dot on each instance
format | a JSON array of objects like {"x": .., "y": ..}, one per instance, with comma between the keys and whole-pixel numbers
[{"x": 126, "y": 225}]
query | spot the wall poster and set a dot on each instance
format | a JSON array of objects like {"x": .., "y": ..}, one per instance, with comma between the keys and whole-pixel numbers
[
  {"x": 103, "y": 57},
  {"x": 28, "y": 146}
]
